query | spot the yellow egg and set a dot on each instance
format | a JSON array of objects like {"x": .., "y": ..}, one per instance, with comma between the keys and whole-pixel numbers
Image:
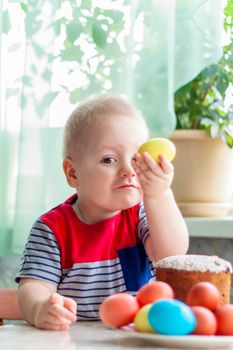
[
  {"x": 140, "y": 320},
  {"x": 157, "y": 146}
]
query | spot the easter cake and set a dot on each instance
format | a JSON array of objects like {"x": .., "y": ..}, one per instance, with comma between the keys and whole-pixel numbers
[{"x": 181, "y": 272}]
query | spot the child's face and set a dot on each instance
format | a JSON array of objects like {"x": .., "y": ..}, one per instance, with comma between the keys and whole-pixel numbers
[{"x": 106, "y": 180}]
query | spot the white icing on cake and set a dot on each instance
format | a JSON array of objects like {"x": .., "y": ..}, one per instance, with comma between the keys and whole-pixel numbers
[{"x": 200, "y": 263}]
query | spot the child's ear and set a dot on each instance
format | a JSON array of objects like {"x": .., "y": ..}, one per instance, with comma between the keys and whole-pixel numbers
[{"x": 70, "y": 172}]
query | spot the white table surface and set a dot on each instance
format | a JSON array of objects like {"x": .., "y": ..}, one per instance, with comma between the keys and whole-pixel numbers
[
  {"x": 82, "y": 335},
  {"x": 95, "y": 336}
]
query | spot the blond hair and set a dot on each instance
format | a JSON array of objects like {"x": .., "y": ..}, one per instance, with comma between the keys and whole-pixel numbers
[{"x": 92, "y": 111}]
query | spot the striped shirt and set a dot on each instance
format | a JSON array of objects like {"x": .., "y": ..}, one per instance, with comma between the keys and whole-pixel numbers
[{"x": 88, "y": 262}]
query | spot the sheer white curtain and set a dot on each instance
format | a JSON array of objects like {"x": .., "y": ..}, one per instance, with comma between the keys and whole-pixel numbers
[{"x": 53, "y": 54}]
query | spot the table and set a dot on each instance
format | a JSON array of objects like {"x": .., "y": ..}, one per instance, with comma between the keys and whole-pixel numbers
[
  {"x": 95, "y": 336},
  {"x": 82, "y": 335}
]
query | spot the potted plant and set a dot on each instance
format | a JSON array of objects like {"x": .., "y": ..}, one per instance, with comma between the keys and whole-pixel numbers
[{"x": 203, "y": 183}]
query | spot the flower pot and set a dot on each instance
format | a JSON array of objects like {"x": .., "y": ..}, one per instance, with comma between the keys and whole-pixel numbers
[{"x": 203, "y": 180}]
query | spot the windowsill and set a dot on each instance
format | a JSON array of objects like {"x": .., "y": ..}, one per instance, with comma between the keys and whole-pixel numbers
[{"x": 210, "y": 227}]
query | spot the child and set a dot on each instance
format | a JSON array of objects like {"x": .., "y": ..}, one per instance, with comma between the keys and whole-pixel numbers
[{"x": 98, "y": 241}]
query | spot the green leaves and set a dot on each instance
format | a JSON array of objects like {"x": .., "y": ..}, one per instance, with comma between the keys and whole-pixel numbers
[
  {"x": 45, "y": 102},
  {"x": 99, "y": 35},
  {"x": 33, "y": 22},
  {"x": 219, "y": 128},
  {"x": 200, "y": 104},
  {"x": 74, "y": 96},
  {"x": 6, "y": 24},
  {"x": 73, "y": 30},
  {"x": 117, "y": 16},
  {"x": 48, "y": 98},
  {"x": 222, "y": 83},
  {"x": 209, "y": 71},
  {"x": 72, "y": 53},
  {"x": 227, "y": 136}
]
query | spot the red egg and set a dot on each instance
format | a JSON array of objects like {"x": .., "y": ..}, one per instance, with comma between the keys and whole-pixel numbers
[
  {"x": 151, "y": 292},
  {"x": 224, "y": 315},
  {"x": 206, "y": 321},
  {"x": 118, "y": 310},
  {"x": 204, "y": 294}
]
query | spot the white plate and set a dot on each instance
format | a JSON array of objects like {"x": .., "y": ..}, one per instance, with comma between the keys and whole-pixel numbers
[{"x": 188, "y": 341}]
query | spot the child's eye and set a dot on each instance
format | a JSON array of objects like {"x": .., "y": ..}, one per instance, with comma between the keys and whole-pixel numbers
[{"x": 108, "y": 160}]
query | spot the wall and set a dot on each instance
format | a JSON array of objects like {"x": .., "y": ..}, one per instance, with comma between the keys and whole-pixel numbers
[{"x": 8, "y": 269}]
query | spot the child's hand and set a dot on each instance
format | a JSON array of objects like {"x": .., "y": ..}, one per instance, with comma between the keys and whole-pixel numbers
[
  {"x": 154, "y": 178},
  {"x": 56, "y": 314}
]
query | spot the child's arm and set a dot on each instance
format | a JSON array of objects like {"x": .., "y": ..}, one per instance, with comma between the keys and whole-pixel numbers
[
  {"x": 168, "y": 231},
  {"x": 42, "y": 307}
]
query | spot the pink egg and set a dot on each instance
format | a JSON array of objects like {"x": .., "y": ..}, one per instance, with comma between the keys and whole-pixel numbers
[{"x": 118, "y": 310}]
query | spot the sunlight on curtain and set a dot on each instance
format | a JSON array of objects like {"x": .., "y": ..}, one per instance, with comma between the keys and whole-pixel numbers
[{"x": 54, "y": 54}]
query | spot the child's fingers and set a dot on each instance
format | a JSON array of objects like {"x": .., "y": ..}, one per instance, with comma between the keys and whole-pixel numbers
[
  {"x": 56, "y": 298},
  {"x": 151, "y": 164},
  {"x": 70, "y": 304},
  {"x": 57, "y": 319},
  {"x": 148, "y": 165},
  {"x": 52, "y": 320},
  {"x": 166, "y": 166},
  {"x": 58, "y": 307},
  {"x": 62, "y": 312},
  {"x": 55, "y": 327}
]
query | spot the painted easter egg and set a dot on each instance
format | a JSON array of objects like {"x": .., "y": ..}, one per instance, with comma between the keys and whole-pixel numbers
[
  {"x": 171, "y": 317},
  {"x": 118, "y": 310},
  {"x": 141, "y": 320},
  {"x": 157, "y": 146}
]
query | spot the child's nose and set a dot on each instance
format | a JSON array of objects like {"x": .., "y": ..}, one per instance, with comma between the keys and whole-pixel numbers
[{"x": 127, "y": 171}]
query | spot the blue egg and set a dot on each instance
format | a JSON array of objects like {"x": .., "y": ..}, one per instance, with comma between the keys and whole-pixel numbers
[{"x": 171, "y": 317}]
